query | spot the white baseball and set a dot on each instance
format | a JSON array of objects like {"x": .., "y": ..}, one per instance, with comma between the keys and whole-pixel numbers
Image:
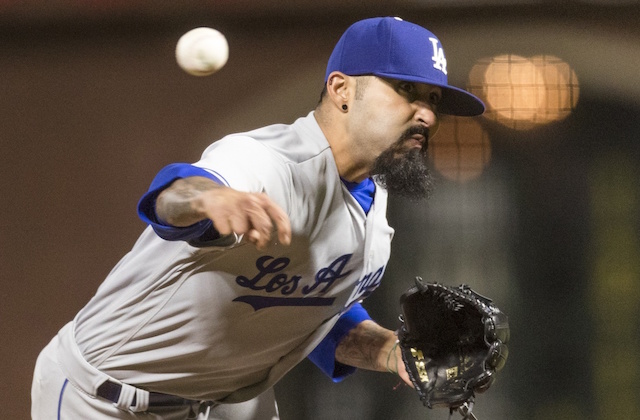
[{"x": 202, "y": 51}]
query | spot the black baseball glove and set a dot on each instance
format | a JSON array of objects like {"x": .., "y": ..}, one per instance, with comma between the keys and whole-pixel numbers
[{"x": 453, "y": 340}]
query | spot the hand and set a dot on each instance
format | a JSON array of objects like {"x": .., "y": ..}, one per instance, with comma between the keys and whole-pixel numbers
[
  {"x": 251, "y": 214},
  {"x": 395, "y": 364},
  {"x": 189, "y": 200}
]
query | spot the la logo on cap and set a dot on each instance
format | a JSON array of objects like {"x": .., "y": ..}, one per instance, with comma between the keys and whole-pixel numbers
[{"x": 439, "y": 61}]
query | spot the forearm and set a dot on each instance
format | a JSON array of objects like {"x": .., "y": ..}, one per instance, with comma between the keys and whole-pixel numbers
[
  {"x": 180, "y": 203},
  {"x": 367, "y": 346}
]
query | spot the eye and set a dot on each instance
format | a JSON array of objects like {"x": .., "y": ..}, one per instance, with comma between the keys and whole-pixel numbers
[
  {"x": 407, "y": 87},
  {"x": 408, "y": 90},
  {"x": 435, "y": 98}
]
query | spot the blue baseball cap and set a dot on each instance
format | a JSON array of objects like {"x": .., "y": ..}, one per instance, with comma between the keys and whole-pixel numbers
[{"x": 393, "y": 48}]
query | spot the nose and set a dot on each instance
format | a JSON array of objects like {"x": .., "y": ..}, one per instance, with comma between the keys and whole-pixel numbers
[{"x": 426, "y": 115}]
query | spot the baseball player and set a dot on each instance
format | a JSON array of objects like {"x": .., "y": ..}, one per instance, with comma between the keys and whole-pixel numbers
[{"x": 259, "y": 255}]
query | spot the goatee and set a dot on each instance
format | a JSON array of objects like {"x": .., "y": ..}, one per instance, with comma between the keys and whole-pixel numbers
[{"x": 405, "y": 172}]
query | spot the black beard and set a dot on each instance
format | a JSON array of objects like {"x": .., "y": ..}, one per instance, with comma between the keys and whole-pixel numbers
[{"x": 405, "y": 172}]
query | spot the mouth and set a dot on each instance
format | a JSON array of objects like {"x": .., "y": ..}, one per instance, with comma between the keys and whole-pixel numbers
[
  {"x": 417, "y": 138},
  {"x": 417, "y": 141}
]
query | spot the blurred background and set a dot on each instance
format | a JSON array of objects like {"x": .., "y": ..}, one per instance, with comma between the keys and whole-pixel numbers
[{"x": 537, "y": 203}]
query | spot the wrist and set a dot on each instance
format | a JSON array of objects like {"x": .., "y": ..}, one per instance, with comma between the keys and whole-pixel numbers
[{"x": 392, "y": 358}]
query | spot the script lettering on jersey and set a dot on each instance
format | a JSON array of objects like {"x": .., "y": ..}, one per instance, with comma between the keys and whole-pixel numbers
[
  {"x": 367, "y": 284},
  {"x": 439, "y": 61},
  {"x": 272, "y": 279},
  {"x": 328, "y": 275},
  {"x": 269, "y": 265}
]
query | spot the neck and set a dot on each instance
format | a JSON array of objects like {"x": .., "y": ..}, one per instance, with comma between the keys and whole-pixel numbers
[{"x": 333, "y": 127}]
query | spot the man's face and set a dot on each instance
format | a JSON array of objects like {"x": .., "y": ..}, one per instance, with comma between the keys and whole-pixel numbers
[{"x": 394, "y": 120}]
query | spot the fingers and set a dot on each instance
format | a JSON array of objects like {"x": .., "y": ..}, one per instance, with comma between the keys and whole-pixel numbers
[
  {"x": 282, "y": 223},
  {"x": 402, "y": 372},
  {"x": 253, "y": 215},
  {"x": 401, "y": 369}
]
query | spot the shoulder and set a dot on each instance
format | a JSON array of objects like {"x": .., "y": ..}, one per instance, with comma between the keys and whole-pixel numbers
[{"x": 293, "y": 143}]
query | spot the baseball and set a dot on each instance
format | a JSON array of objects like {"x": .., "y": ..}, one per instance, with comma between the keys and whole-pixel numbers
[{"x": 202, "y": 51}]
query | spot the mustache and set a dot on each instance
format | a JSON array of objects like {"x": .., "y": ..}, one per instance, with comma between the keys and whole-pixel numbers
[{"x": 416, "y": 129}]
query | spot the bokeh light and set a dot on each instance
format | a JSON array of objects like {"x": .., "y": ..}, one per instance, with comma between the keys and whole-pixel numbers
[
  {"x": 461, "y": 149},
  {"x": 522, "y": 93}
]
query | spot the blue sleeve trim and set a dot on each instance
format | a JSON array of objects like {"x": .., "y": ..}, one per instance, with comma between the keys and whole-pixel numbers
[
  {"x": 324, "y": 355},
  {"x": 147, "y": 204}
]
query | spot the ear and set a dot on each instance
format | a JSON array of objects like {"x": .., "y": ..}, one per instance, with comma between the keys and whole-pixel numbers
[{"x": 339, "y": 88}]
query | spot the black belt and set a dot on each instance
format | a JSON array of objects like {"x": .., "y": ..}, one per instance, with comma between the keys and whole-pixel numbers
[{"x": 111, "y": 391}]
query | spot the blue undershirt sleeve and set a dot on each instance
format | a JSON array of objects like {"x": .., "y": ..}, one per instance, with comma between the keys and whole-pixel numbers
[
  {"x": 147, "y": 204},
  {"x": 324, "y": 355}
]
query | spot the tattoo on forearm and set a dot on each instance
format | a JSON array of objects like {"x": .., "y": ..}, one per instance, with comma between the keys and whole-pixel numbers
[
  {"x": 174, "y": 205},
  {"x": 361, "y": 347}
]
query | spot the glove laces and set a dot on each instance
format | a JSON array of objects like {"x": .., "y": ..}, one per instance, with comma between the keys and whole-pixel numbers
[{"x": 465, "y": 411}]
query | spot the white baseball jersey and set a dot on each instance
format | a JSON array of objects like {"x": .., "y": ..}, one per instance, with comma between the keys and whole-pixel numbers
[{"x": 223, "y": 321}]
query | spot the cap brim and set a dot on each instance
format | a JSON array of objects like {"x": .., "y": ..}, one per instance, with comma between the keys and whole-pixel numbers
[{"x": 455, "y": 101}]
